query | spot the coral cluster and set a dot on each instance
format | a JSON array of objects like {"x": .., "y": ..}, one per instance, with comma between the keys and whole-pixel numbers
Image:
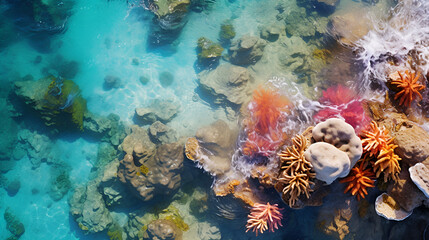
[
  {"x": 295, "y": 172},
  {"x": 263, "y": 217},
  {"x": 408, "y": 87},
  {"x": 342, "y": 102},
  {"x": 359, "y": 179},
  {"x": 263, "y": 126},
  {"x": 377, "y": 143}
]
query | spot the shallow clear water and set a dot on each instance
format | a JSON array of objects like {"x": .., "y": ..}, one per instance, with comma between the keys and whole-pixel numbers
[{"x": 110, "y": 38}]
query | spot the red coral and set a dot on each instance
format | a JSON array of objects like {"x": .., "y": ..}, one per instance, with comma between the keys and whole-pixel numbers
[
  {"x": 343, "y": 103},
  {"x": 264, "y": 133}
]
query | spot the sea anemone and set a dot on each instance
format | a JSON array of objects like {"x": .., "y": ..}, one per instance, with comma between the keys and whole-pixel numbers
[
  {"x": 375, "y": 139},
  {"x": 388, "y": 163},
  {"x": 264, "y": 134},
  {"x": 263, "y": 217},
  {"x": 296, "y": 172},
  {"x": 359, "y": 180},
  {"x": 344, "y": 103},
  {"x": 409, "y": 88}
]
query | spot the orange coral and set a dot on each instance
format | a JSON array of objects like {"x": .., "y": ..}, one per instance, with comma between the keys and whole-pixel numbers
[
  {"x": 409, "y": 87},
  {"x": 388, "y": 162},
  {"x": 375, "y": 139},
  {"x": 263, "y": 217},
  {"x": 266, "y": 108},
  {"x": 295, "y": 174},
  {"x": 263, "y": 126},
  {"x": 359, "y": 179}
]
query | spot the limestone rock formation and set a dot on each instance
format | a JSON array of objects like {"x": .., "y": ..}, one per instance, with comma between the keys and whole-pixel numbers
[
  {"x": 247, "y": 50},
  {"x": 147, "y": 170},
  {"x": 159, "y": 110},
  {"x": 160, "y": 133},
  {"x": 328, "y": 162},
  {"x": 340, "y": 134},
  {"x": 88, "y": 209},
  {"x": 162, "y": 229},
  {"x": 228, "y": 84},
  {"x": 212, "y": 147},
  {"x": 388, "y": 208},
  {"x": 419, "y": 173}
]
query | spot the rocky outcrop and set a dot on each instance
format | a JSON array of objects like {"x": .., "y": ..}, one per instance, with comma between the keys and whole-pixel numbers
[
  {"x": 247, "y": 50},
  {"x": 299, "y": 24},
  {"x": 13, "y": 224},
  {"x": 147, "y": 170},
  {"x": 57, "y": 101},
  {"x": 162, "y": 229},
  {"x": 159, "y": 110},
  {"x": 88, "y": 209},
  {"x": 349, "y": 26},
  {"x": 419, "y": 173},
  {"x": 160, "y": 133},
  {"x": 108, "y": 129},
  {"x": 228, "y": 84},
  {"x": 212, "y": 147}
]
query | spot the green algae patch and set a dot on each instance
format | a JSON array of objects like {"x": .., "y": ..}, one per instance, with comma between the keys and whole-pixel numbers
[
  {"x": 208, "y": 49},
  {"x": 63, "y": 104},
  {"x": 115, "y": 232},
  {"x": 227, "y": 31},
  {"x": 172, "y": 214}
]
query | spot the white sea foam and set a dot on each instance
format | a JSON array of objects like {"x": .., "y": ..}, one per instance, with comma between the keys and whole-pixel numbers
[{"x": 394, "y": 39}]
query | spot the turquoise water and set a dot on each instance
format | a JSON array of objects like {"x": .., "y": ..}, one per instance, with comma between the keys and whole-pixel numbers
[{"x": 111, "y": 38}]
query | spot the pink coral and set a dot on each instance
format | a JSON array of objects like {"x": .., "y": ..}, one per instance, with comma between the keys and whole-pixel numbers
[
  {"x": 342, "y": 102},
  {"x": 263, "y": 217}
]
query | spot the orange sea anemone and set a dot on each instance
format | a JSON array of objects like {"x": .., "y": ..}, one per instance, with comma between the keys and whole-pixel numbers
[
  {"x": 375, "y": 139},
  {"x": 409, "y": 88},
  {"x": 359, "y": 180},
  {"x": 388, "y": 163},
  {"x": 263, "y": 217},
  {"x": 266, "y": 109}
]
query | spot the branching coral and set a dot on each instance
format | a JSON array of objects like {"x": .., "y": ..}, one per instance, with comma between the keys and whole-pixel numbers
[
  {"x": 359, "y": 179},
  {"x": 296, "y": 172},
  {"x": 409, "y": 88},
  {"x": 342, "y": 102},
  {"x": 388, "y": 163},
  {"x": 375, "y": 139},
  {"x": 263, "y": 217},
  {"x": 263, "y": 126}
]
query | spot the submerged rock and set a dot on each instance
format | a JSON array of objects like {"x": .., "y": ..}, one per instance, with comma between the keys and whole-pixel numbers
[
  {"x": 60, "y": 181},
  {"x": 419, "y": 173},
  {"x": 12, "y": 188},
  {"x": 163, "y": 230},
  {"x": 13, "y": 224},
  {"x": 111, "y": 81},
  {"x": 147, "y": 170},
  {"x": 272, "y": 32},
  {"x": 209, "y": 52},
  {"x": 89, "y": 210},
  {"x": 57, "y": 101},
  {"x": 388, "y": 208},
  {"x": 37, "y": 147},
  {"x": 228, "y": 84},
  {"x": 108, "y": 129},
  {"x": 247, "y": 50},
  {"x": 350, "y": 26},
  {"x": 159, "y": 110},
  {"x": 160, "y": 133}
]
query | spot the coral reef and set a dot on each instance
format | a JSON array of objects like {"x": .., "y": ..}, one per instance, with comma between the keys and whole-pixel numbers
[
  {"x": 264, "y": 217},
  {"x": 360, "y": 178},
  {"x": 263, "y": 126},
  {"x": 295, "y": 171},
  {"x": 375, "y": 139},
  {"x": 408, "y": 87}
]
